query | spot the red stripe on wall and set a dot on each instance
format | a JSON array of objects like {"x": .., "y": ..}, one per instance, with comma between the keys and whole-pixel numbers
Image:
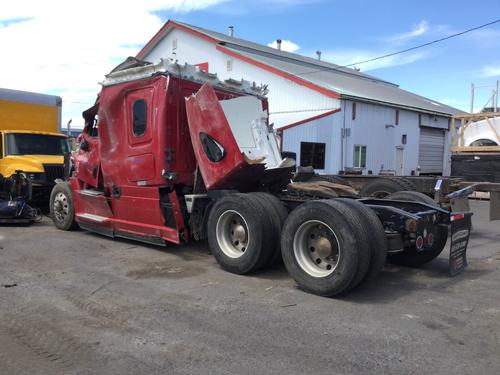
[{"x": 309, "y": 119}]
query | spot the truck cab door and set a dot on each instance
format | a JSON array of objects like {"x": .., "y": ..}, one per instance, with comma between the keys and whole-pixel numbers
[{"x": 87, "y": 156}]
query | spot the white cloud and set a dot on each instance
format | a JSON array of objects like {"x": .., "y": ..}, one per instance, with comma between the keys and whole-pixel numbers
[
  {"x": 66, "y": 47},
  {"x": 418, "y": 30},
  {"x": 286, "y": 45},
  {"x": 490, "y": 71},
  {"x": 350, "y": 56}
]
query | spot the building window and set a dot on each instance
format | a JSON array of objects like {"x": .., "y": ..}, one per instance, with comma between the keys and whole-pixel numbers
[
  {"x": 174, "y": 44},
  {"x": 312, "y": 155},
  {"x": 139, "y": 117},
  {"x": 359, "y": 157},
  {"x": 229, "y": 65},
  {"x": 403, "y": 139},
  {"x": 397, "y": 117},
  {"x": 354, "y": 111}
]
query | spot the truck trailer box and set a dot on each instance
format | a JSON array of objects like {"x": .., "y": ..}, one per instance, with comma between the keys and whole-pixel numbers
[
  {"x": 30, "y": 139},
  {"x": 22, "y": 110}
]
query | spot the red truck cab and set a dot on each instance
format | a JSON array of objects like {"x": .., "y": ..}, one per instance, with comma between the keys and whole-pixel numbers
[{"x": 137, "y": 155}]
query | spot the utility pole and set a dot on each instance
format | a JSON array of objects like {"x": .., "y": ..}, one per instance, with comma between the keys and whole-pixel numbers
[
  {"x": 495, "y": 104},
  {"x": 472, "y": 98}
]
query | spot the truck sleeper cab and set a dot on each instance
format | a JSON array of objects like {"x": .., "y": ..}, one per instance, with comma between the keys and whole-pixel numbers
[{"x": 170, "y": 153}]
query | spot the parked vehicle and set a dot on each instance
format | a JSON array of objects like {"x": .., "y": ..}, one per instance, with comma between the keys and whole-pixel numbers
[
  {"x": 15, "y": 195},
  {"x": 29, "y": 139},
  {"x": 170, "y": 153}
]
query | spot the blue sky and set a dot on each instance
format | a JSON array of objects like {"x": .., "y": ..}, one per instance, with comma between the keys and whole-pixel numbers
[
  {"x": 349, "y": 31},
  {"x": 68, "y": 52}
]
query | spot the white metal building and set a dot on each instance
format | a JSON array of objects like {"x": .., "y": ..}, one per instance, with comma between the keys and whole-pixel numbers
[{"x": 333, "y": 117}]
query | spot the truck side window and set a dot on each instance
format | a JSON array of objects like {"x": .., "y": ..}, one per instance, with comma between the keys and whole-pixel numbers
[{"x": 139, "y": 119}]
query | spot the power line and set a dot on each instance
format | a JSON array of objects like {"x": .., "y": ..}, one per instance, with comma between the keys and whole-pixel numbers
[
  {"x": 303, "y": 110},
  {"x": 412, "y": 48}
]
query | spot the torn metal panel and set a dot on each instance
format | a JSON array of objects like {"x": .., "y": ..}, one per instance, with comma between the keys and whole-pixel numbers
[{"x": 231, "y": 140}]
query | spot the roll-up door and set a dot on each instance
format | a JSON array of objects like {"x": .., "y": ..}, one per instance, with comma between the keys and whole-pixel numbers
[{"x": 431, "y": 150}]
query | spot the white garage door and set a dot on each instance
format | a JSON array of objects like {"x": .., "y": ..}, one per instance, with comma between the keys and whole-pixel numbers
[{"x": 431, "y": 150}]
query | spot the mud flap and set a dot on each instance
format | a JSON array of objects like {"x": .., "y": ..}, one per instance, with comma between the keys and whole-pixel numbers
[
  {"x": 460, "y": 224},
  {"x": 494, "y": 205}
]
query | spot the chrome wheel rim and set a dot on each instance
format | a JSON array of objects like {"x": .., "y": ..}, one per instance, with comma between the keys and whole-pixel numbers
[
  {"x": 232, "y": 234},
  {"x": 61, "y": 207},
  {"x": 316, "y": 248}
]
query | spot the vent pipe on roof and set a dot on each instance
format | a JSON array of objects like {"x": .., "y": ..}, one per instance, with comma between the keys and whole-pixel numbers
[
  {"x": 278, "y": 44},
  {"x": 230, "y": 31},
  {"x": 318, "y": 53}
]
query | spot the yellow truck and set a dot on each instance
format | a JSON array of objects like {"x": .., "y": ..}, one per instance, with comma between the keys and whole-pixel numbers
[{"x": 30, "y": 140}]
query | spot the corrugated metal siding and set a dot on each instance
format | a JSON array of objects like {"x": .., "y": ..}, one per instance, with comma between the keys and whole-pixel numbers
[
  {"x": 431, "y": 150},
  {"x": 375, "y": 128},
  {"x": 324, "y": 130}
]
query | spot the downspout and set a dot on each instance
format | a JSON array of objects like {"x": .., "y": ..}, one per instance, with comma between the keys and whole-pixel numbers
[{"x": 342, "y": 140}]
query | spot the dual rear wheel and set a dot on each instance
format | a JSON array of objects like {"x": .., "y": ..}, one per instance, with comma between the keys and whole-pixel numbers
[
  {"x": 327, "y": 246},
  {"x": 243, "y": 231},
  {"x": 331, "y": 246}
]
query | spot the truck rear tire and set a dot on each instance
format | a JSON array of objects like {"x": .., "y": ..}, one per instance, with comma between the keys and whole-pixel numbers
[
  {"x": 62, "y": 208},
  {"x": 410, "y": 257},
  {"x": 382, "y": 187},
  {"x": 319, "y": 248},
  {"x": 362, "y": 234},
  {"x": 278, "y": 213},
  {"x": 240, "y": 234},
  {"x": 377, "y": 239}
]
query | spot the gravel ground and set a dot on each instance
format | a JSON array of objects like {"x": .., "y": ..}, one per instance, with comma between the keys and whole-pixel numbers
[{"x": 79, "y": 303}]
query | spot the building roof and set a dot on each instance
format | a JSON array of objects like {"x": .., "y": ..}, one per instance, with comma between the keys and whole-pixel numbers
[{"x": 327, "y": 78}]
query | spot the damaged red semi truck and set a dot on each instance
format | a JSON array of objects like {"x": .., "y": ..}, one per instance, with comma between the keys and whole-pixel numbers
[{"x": 171, "y": 154}]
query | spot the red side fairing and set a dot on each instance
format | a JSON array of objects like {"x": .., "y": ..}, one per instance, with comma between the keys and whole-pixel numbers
[
  {"x": 205, "y": 115},
  {"x": 233, "y": 170}
]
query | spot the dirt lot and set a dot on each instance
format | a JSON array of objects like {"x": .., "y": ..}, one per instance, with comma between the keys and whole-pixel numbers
[{"x": 74, "y": 302}]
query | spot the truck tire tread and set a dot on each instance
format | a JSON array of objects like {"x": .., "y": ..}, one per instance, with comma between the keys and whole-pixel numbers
[
  {"x": 260, "y": 233},
  {"x": 340, "y": 279},
  {"x": 279, "y": 214},
  {"x": 377, "y": 239}
]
